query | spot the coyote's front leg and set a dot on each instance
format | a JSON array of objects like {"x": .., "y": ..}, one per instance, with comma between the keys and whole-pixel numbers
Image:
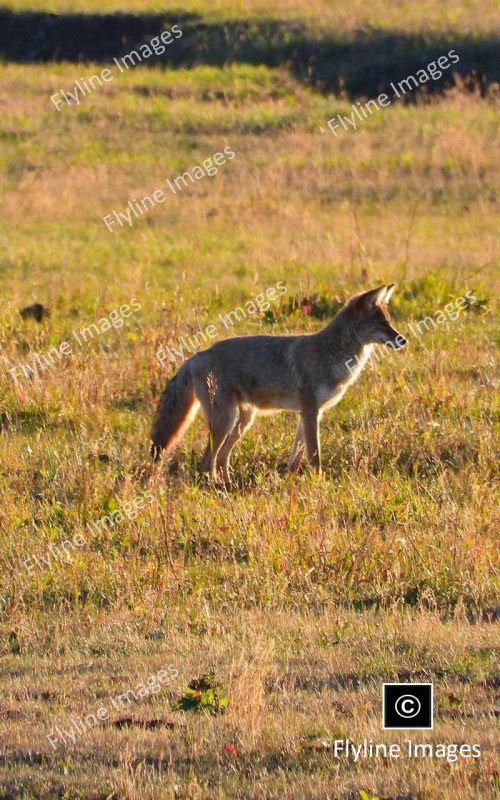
[
  {"x": 297, "y": 448},
  {"x": 310, "y": 420}
]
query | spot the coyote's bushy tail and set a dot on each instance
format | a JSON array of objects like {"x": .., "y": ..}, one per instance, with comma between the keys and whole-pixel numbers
[{"x": 176, "y": 408}]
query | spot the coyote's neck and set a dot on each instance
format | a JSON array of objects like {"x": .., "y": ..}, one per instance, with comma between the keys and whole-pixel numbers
[
  {"x": 356, "y": 363},
  {"x": 345, "y": 349}
]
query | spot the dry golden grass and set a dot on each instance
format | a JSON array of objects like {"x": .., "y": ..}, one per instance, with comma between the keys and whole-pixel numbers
[{"x": 296, "y": 681}]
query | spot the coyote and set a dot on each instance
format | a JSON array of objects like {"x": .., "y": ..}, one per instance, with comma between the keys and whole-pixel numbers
[{"x": 237, "y": 377}]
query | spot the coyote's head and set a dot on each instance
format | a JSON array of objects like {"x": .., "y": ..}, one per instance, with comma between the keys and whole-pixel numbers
[{"x": 370, "y": 317}]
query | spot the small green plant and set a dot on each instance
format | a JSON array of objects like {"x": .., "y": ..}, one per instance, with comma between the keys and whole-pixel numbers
[
  {"x": 366, "y": 796},
  {"x": 203, "y": 694}
]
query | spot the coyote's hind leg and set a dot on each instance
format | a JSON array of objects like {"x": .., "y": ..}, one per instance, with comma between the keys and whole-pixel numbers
[
  {"x": 245, "y": 420},
  {"x": 221, "y": 414}
]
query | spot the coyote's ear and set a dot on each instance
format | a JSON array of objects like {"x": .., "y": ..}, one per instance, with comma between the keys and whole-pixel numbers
[
  {"x": 388, "y": 292},
  {"x": 372, "y": 298},
  {"x": 364, "y": 302}
]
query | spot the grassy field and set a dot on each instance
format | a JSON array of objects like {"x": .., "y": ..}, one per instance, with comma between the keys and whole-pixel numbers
[
  {"x": 301, "y": 594},
  {"x": 455, "y": 15}
]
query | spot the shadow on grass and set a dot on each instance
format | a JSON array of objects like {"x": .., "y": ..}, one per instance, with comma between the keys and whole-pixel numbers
[
  {"x": 361, "y": 64},
  {"x": 34, "y": 421},
  {"x": 28, "y": 421},
  {"x": 356, "y": 680}
]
